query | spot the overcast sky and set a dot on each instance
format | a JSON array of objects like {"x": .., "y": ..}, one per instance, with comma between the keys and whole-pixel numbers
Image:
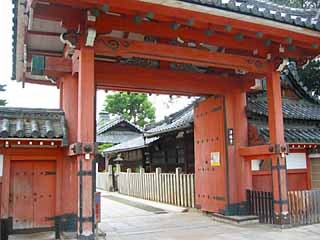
[{"x": 48, "y": 97}]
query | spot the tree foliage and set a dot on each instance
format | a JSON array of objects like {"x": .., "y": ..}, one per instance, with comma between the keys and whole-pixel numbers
[
  {"x": 2, "y": 101},
  {"x": 134, "y": 107}
]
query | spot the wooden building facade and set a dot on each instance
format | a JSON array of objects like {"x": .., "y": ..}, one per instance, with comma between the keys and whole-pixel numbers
[{"x": 167, "y": 144}]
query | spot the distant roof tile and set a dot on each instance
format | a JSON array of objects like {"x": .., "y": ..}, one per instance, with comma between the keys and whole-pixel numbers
[
  {"x": 293, "y": 134},
  {"x": 298, "y": 110},
  {"x": 135, "y": 143},
  {"x": 177, "y": 121},
  {"x": 106, "y": 125}
]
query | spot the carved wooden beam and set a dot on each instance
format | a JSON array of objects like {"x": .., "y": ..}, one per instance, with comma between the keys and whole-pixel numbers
[{"x": 117, "y": 47}]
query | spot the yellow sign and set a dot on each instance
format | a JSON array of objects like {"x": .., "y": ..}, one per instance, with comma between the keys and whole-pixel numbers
[{"x": 215, "y": 159}]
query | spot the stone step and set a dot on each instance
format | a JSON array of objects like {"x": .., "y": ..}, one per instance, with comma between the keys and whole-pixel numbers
[{"x": 236, "y": 220}]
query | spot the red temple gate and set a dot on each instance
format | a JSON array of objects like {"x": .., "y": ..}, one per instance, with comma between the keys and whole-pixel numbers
[{"x": 164, "y": 47}]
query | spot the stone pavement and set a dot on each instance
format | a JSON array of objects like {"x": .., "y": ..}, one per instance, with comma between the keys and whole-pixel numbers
[{"x": 123, "y": 222}]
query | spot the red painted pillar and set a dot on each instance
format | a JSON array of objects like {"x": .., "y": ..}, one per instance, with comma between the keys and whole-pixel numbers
[
  {"x": 69, "y": 104},
  {"x": 277, "y": 145},
  {"x": 239, "y": 170},
  {"x": 243, "y": 167},
  {"x": 86, "y": 118}
]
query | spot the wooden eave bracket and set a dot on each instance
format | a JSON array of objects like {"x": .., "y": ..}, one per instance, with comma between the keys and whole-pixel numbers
[{"x": 263, "y": 151}]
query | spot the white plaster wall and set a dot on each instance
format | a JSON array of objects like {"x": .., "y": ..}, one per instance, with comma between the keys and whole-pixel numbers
[
  {"x": 255, "y": 165},
  {"x": 296, "y": 161}
]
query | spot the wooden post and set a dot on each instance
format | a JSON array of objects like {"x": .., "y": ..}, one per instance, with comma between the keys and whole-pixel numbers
[
  {"x": 178, "y": 191},
  {"x": 118, "y": 168},
  {"x": 109, "y": 169},
  {"x": 69, "y": 103},
  {"x": 86, "y": 119},
  {"x": 158, "y": 180},
  {"x": 277, "y": 145}
]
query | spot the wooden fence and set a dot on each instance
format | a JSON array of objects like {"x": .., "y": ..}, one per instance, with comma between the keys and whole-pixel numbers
[
  {"x": 104, "y": 181},
  {"x": 176, "y": 189},
  {"x": 304, "y": 207},
  {"x": 261, "y": 204}
]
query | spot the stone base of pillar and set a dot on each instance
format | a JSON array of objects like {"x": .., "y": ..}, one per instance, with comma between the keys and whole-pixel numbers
[{"x": 281, "y": 220}]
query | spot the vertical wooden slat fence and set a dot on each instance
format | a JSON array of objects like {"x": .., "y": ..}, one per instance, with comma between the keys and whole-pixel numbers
[
  {"x": 304, "y": 207},
  {"x": 104, "y": 181},
  {"x": 261, "y": 205},
  {"x": 172, "y": 188}
]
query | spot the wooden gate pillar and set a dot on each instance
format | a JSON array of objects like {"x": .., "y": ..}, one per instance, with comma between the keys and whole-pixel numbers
[
  {"x": 277, "y": 145},
  {"x": 69, "y": 104},
  {"x": 239, "y": 170},
  {"x": 85, "y": 145}
]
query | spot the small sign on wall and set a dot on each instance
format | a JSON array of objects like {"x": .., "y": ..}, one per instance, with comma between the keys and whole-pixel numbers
[{"x": 215, "y": 159}]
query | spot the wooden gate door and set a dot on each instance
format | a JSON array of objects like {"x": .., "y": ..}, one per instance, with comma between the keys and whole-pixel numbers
[
  {"x": 33, "y": 194},
  {"x": 21, "y": 195},
  {"x": 44, "y": 193},
  {"x": 210, "y": 155}
]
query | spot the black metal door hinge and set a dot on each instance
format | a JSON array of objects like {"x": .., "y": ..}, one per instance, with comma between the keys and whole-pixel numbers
[
  {"x": 278, "y": 167},
  {"x": 85, "y": 173},
  {"x": 85, "y": 219}
]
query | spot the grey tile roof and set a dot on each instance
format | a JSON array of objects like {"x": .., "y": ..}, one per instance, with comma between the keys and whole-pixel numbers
[
  {"x": 32, "y": 123},
  {"x": 301, "y": 117},
  {"x": 308, "y": 108},
  {"x": 105, "y": 125},
  {"x": 135, "y": 143},
  {"x": 265, "y": 9},
  {"x": 116, "y": 137},
  {"x": 294, "y": 134},
  {"x": 293, "y": 110},
  {"x": 177, "y": 121}
]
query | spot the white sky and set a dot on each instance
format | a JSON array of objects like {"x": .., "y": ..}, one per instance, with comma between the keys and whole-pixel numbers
[{"x": 38, "y": 96}]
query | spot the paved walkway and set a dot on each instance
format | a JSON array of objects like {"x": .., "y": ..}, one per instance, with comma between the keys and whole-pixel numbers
[
  {"x": 124, "y": 222},
  {"x": 125, "y": 218}
]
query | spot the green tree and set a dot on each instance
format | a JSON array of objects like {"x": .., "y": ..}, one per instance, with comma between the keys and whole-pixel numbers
[
  {"x": 134, "y": 107},
  {"x": 2, "y": 101}
]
